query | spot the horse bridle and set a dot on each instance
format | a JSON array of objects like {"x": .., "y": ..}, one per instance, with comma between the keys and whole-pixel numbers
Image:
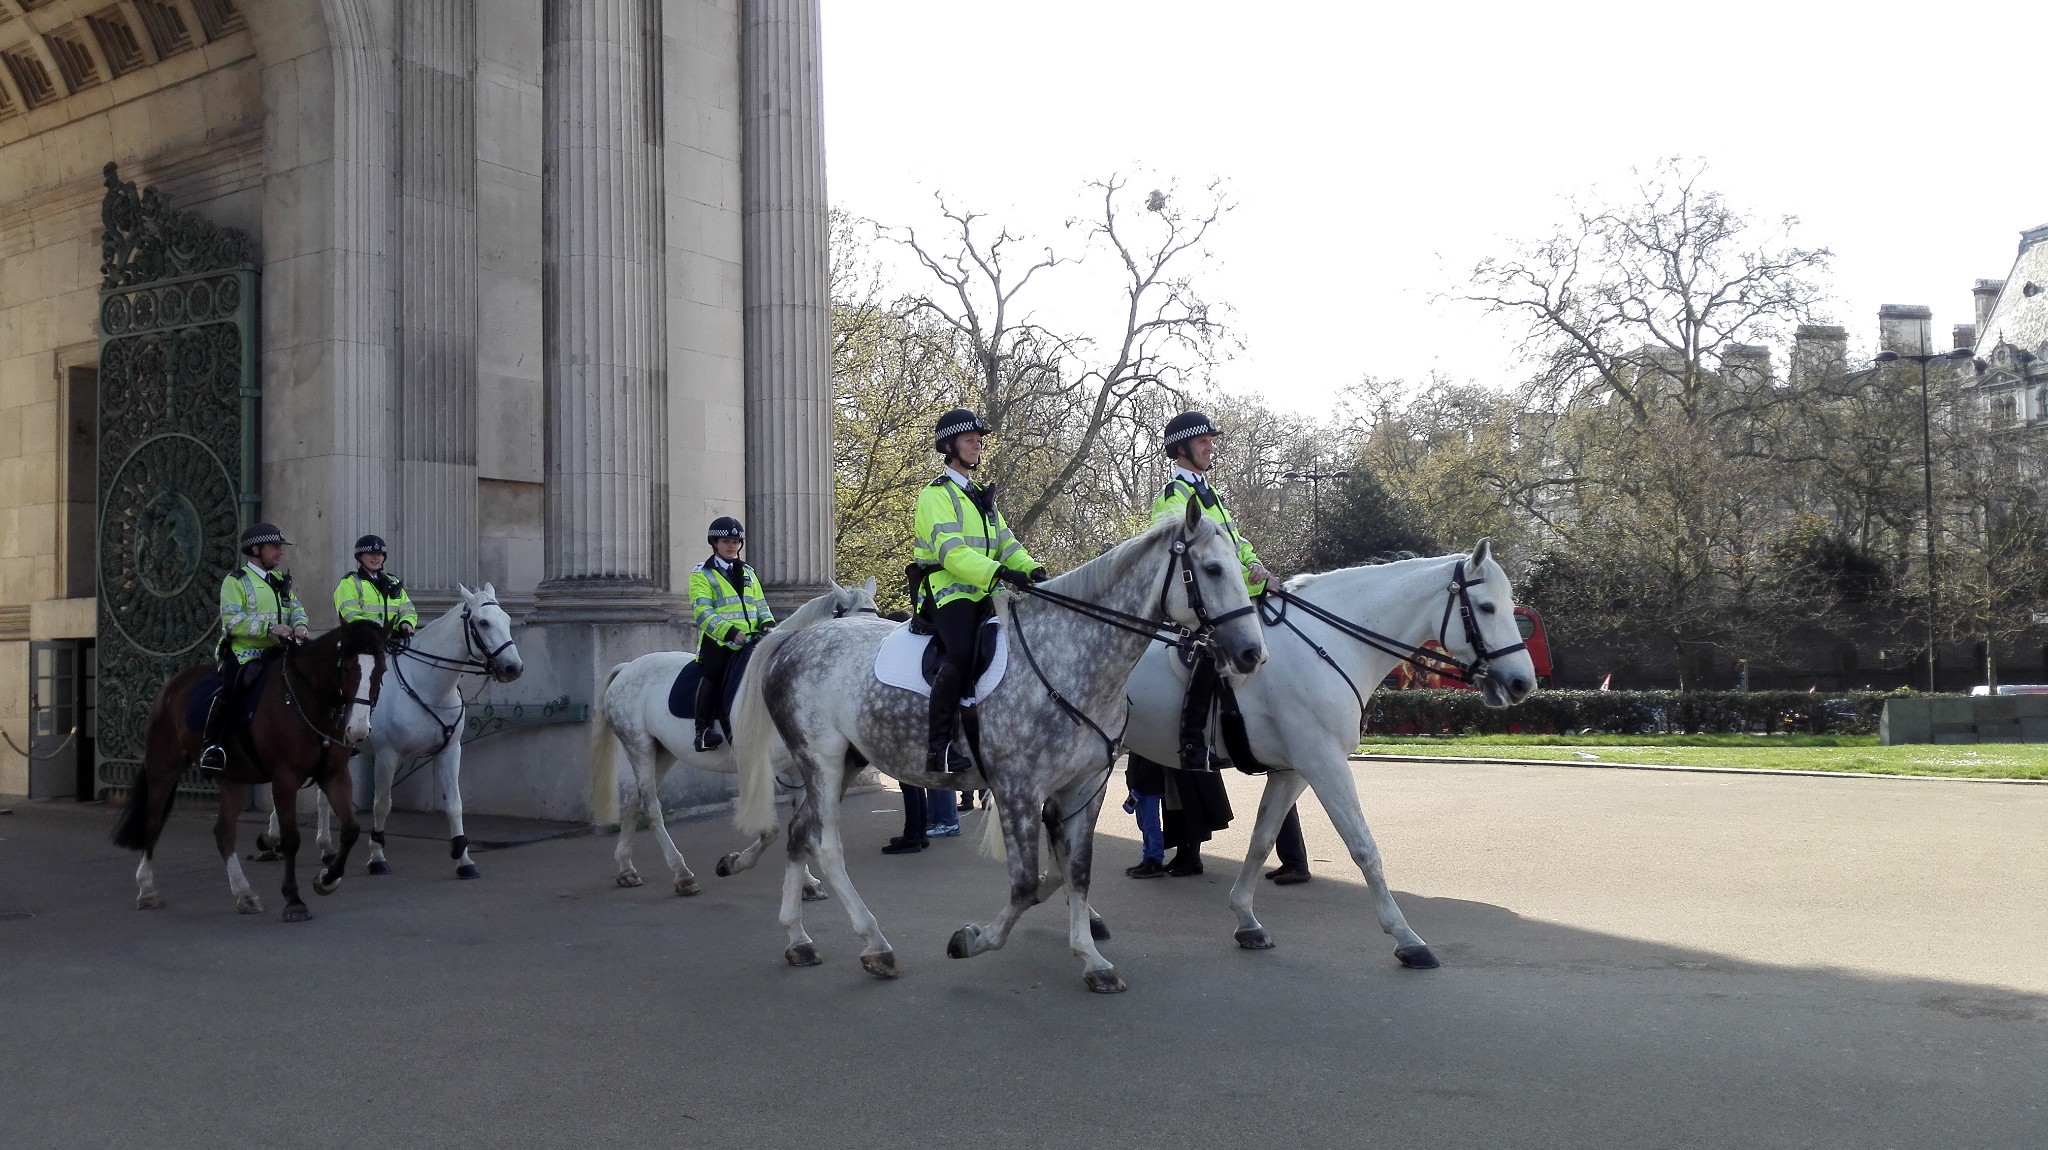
[
  {"x": 293, "y": 704},
  {"x": 1458, "y": 597},
  {"x": 1163, "y": 629},
  {"x": 472, "y": 643}
]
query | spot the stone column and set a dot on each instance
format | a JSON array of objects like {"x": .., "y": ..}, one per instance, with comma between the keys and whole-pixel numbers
[
  {"x": 436, "y": 434},
  {"x": 603, "y": 335},
  {"x": 788, "y": 312}
]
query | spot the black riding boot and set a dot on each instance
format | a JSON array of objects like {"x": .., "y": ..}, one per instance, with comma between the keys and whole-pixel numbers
[
  {"x": 709, "y": 738},
  {"x": 939, "y": 757},
  {"x": 213, "y": 754}
]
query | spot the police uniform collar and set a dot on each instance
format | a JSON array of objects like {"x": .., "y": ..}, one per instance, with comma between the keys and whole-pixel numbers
[
  {"x": 965, "y": 483},
  {"x": 1195, "y": 478}
]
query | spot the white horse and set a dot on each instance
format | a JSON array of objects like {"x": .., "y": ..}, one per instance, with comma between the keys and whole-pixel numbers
[
  {"x": 632, "y": 715},
  {"x": 1302, "y": 711},
  {"x": 1047, "y": 728},
  {"x": 422, "y": 713}
]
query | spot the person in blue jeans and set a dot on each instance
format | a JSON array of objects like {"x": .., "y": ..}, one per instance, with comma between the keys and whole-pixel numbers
[
  {"x": 1147, "y": 782},
  {"x": 942, "y": 814}
]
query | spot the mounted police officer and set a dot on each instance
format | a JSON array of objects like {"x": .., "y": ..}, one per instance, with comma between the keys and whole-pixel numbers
[
  {"x": 731, "y": 614},
  {"x": 370, "y": 592},
  {"x": 963, "y": 548},
  {"x": 1191, "y": 444},
  {"x": 258, "y": 613}
]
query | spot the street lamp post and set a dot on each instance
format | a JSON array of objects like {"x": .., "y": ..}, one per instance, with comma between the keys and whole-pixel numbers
[
  {"x": 1314, "y": 479},
  {"x": 1927, "y": 476}
]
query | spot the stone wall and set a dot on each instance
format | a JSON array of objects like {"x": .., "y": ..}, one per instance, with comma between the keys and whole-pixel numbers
[{"x": 191, "y": 123}]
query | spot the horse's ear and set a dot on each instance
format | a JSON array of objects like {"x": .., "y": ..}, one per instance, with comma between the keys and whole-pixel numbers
[
  {"x": 1194, "y": 516},
  {"x": 466, "y": 593},
  {"x": 490, "y": 592},
  {"x": 1481, "y": 552},
  {"x": 871, "y": 587}
]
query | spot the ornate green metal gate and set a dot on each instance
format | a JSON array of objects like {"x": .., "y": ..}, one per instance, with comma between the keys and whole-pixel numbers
[{"x": 177, "y": 450}]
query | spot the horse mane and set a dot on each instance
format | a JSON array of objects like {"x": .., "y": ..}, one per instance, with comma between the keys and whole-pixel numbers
[
  {"x": 825, "y": 606},
  {"x": 1094, "y": 579},
  {"x": 1304, "y": 581},
  {"x": 361, "y": 637}
]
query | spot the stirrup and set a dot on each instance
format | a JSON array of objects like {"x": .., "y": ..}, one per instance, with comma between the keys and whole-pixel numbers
[
  {"x": 213, "y": 759},
  {"x": 1201, "y": 759},
  {"x": 710, "y": 739}
]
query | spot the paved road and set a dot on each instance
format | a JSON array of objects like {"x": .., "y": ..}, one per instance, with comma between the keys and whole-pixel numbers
[{"x": 1631, "y": 959}]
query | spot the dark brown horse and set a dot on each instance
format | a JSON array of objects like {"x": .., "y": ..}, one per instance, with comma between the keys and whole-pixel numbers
[{"x": 315, "y": 705}]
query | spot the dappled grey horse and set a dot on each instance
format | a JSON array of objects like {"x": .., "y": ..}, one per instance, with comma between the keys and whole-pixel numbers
[
  {"x": 1332, "y": 638},
  {"x": 1049, "y": 730}
]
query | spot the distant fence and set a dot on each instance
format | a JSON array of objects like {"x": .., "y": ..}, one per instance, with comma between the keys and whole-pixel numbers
[{"x": 1966, "y": 719}]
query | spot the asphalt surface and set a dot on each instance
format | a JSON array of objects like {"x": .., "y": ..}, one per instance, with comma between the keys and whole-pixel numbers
[{"x": 1630, "y": 959}]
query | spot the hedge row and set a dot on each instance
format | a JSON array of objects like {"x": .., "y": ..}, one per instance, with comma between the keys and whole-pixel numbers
[{"x": 1627, "y": 713}]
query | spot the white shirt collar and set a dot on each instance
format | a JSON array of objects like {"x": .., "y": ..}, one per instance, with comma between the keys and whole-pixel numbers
[
  {"x": 964, "y": 482},
  {"x": 1194, "y": 477}
]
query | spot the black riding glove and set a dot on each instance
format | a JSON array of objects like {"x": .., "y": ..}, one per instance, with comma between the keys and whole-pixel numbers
[
  {"x": 1014, "y": 577},
  {"x": 1038, "y": 575}
]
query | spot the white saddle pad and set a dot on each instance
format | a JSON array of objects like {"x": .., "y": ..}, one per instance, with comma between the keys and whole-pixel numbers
[{"x": 900, "y": 663}]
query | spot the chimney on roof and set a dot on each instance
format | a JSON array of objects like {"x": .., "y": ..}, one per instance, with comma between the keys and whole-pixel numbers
[
  {"x": 1820, "y": 352},
  {"x": 1985, "y": 296},
  {"x": 1905, "y": 328},
  {"x": 1965, "y": 335},
  {"x": 1744, "y": 364}
]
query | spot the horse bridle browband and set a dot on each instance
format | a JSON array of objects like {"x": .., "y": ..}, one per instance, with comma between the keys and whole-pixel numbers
[{"x": 472, "y": 643}]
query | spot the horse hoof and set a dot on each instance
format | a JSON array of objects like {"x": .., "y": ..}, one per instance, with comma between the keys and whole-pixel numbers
[
  {"x": 805, "y": 954},
  {"x": 1255, "y": 939},
  {"x": 1416, "y": 957},
  {"x": 248, "y": 904},
  {"x": 379, "y": 866},
  {"x": 266, "y": 854},
  {"x": 881, "y": 965},
  {"x": 1098, "y": 929},
  {"x": 1104, "y": 981},
  {"x": 629, "y": 879},
  {"x": 266, "y": 844},
  {"x": 724, "y": 867},
  {"x": 688, "y": 887},
  {"x": 815, "y": 894},
  {"x": 149, "y": 902},
  {"x": 297, "y": 912},
  {"x": 322, "y": 887},
  {"x": 468, "y": 870},
  {"x": 957, "y": 946}
]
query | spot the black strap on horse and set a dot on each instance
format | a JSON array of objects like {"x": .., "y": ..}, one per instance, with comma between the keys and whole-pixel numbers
[
  {"x": 480, "y": 659},
  {"x": 293, "y": 704},
  {"x": 1433, "y": 662}
]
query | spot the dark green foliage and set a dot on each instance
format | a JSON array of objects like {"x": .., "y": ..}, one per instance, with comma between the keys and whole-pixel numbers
[
  {"x": 1628, "y": 713},
  {"x": 1361, "y": 520}
]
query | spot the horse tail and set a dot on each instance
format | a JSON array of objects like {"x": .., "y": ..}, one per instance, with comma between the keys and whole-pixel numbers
[
  {"x": 992, "y": 831},
  {"x": 754, "y": 737},
  {"x": 132, "y": 831},
  {"x": 604, "y": 756}
]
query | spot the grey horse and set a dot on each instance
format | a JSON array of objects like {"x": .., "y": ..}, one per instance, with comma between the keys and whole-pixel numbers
[{"x": 1049, "y": 730}]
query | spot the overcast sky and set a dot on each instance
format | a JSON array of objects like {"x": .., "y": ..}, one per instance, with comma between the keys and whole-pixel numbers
[{"x": 1376, "y": 154}]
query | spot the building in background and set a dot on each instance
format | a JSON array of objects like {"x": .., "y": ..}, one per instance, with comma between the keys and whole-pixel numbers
[{"x": 532, "y": 288}]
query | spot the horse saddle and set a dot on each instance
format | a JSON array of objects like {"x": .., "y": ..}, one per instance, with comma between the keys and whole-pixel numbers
[
  {"x": 250, "y": 678},
  {"x": 1237, "y": 743},
  {"x": 682, "y": 694},
  {"x": 910, "y": 660}
]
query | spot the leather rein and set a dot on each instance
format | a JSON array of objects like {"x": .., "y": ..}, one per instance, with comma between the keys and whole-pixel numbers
[{"x": 472, "y": 645}]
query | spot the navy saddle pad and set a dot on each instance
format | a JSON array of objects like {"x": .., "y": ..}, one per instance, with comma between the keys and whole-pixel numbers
[
  {"x": 682, "y": 694},
  {"x": 984, "y": 653},
  {"x": 201, "y": 699}
]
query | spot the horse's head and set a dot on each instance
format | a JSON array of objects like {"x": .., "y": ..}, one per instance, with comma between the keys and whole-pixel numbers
[
  {"x": 1206, "y": 592},
  {"x": 359, "y": 674},
  {"x": 857, "y": 600},
  {"x": 1505, "y": 679},
  {"x": 489, "y": 632}
]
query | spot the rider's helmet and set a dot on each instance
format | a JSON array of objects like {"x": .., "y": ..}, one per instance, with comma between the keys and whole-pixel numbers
[
  {"x": 370, "y": 545},
  {"x": 954, "y": 423},
  {"x": 725, "y": 527},
  {"x": 1185, "y": 426},
  {"x": 262, "y": 533}
]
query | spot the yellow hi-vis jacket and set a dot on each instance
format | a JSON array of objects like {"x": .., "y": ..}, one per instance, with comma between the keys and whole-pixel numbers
[
  {"x": 1173, "y": 504},
  {"x": 953, "y": 533},
  {"x": 727, "y": 615},
  {"x": 252, "y": 601},
  {"x": 380, "y": 598}
]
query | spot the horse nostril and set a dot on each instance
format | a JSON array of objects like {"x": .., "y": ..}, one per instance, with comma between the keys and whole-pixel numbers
[{"x": 1249, "y": 658}]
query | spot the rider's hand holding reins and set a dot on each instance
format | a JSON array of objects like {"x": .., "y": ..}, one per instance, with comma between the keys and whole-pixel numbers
[
  {"x": 1014, "y": 578},
  {"x": 1259, "y": 574},
  {"x": 1038, "y": 575}
]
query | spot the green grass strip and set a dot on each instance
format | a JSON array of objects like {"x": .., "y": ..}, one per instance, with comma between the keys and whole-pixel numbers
[{"x": 1846, "y": 753}]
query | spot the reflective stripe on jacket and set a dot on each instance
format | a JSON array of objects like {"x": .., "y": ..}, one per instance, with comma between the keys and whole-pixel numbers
[
  {"x": 358, "y": 596},
  {"x": 1173, "y": 504},
  {"x": 953, "y": 533},
  {"x": 728, "y": 615},
  {"x": 250, "y": 605}
]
